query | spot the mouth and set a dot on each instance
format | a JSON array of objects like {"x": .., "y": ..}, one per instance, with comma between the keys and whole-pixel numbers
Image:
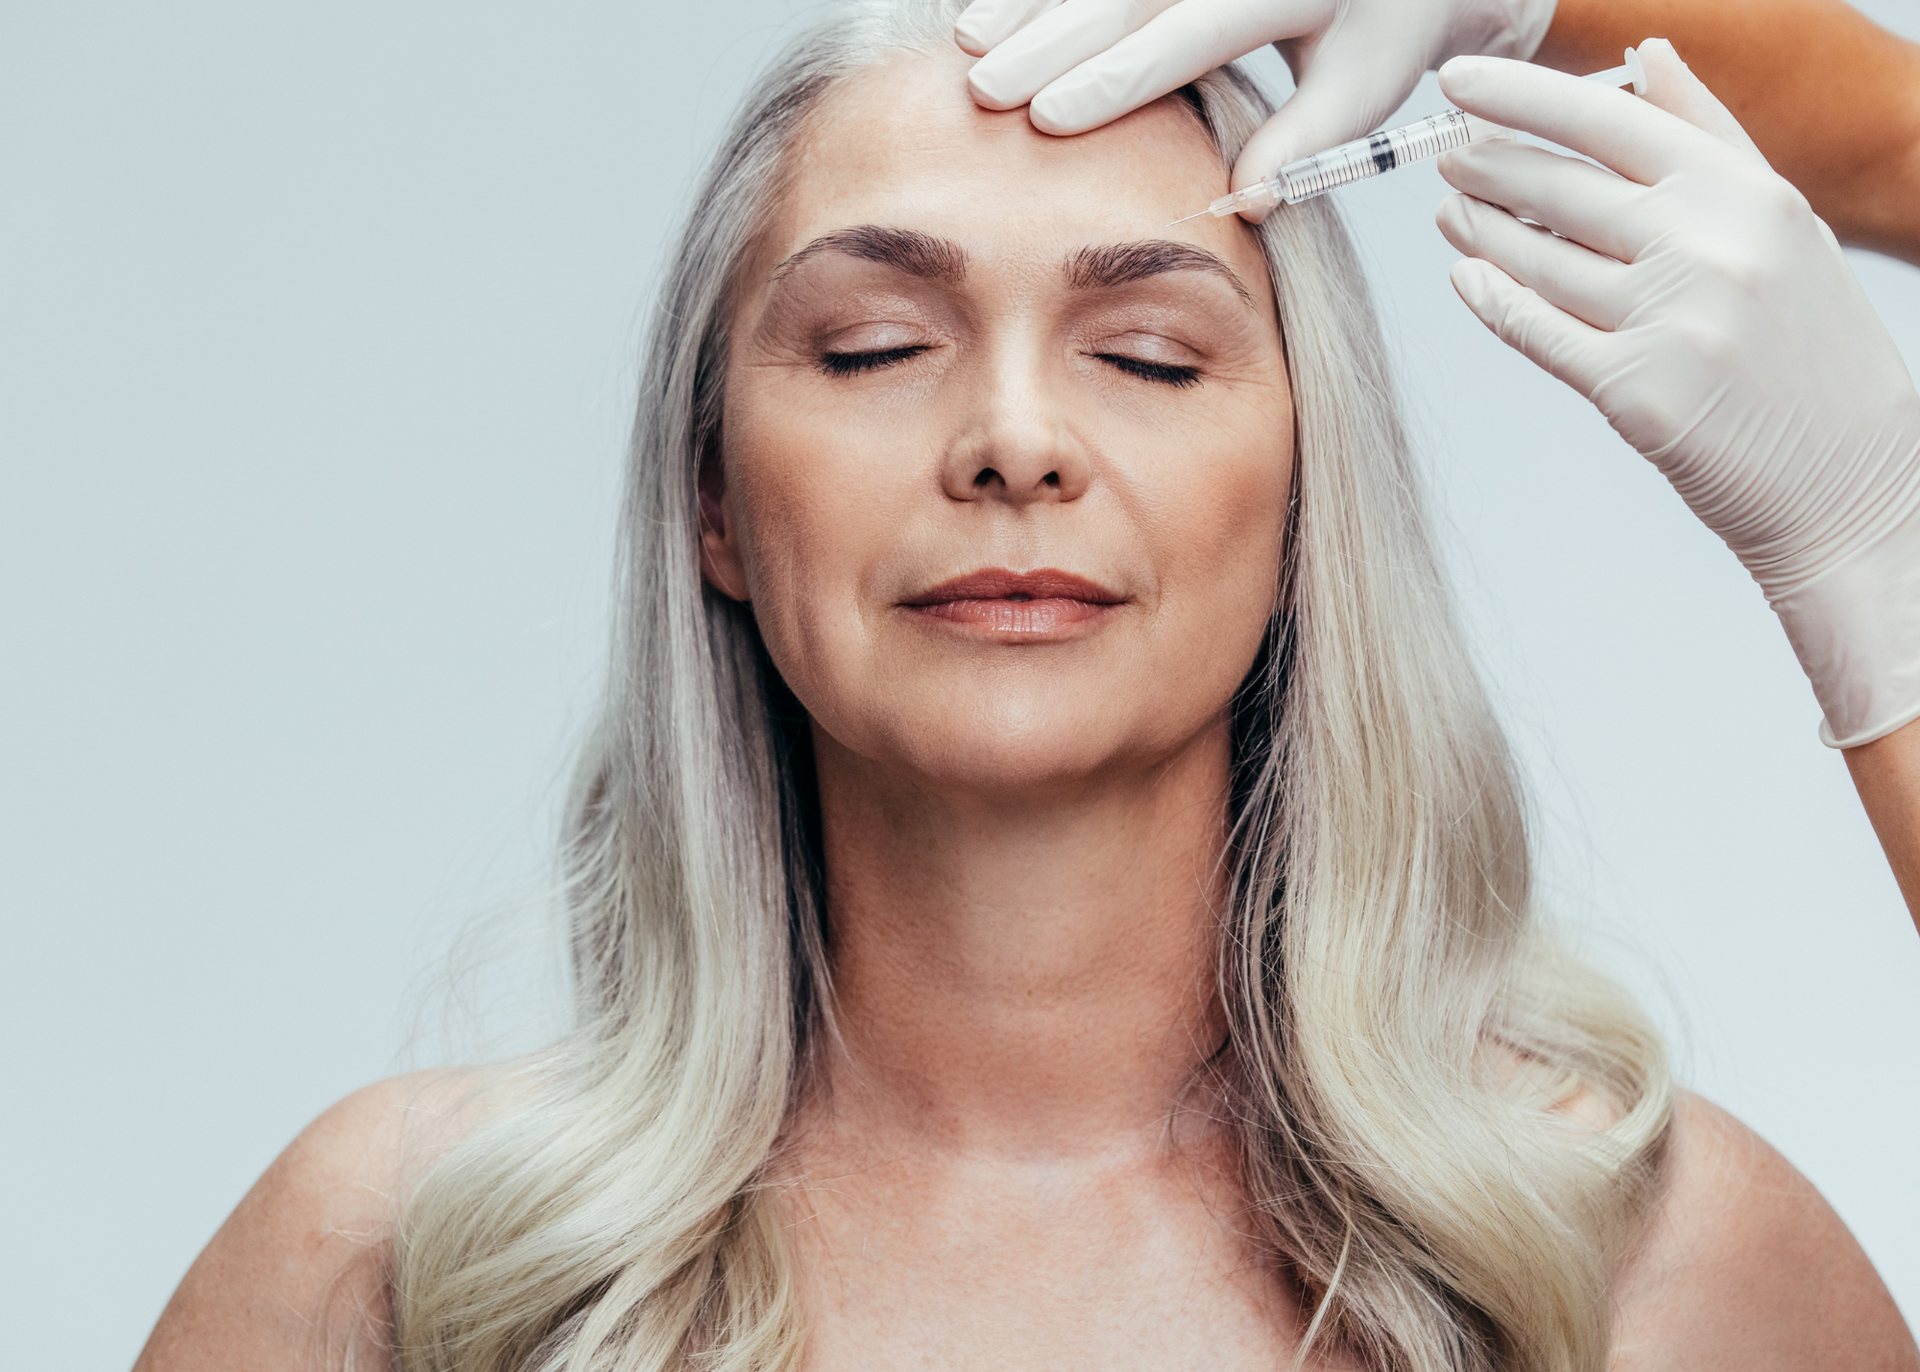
[{"x": 1027, "y": 605}]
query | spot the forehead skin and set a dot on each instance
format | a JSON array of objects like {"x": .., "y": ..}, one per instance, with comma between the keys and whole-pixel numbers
[{"x": 902, "y": 144}]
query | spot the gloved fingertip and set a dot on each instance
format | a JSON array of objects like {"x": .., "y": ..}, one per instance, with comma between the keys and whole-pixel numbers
[
  {"x": 1465, "y": 64},
  {"x": 1472, "y": 281},
  {"x": 981, "y": 85},
  {"x": 1279, "y": 142},
  {"x": 1459, "y": 75},
  {"x": 1256, "y": 163},
  {"x": 1660, "y": 45},
  {"x": 1064, "y": 115},
  {"x": 1458, "y": 161},
  {"x": 978, "y": 28},
  {"x": 1670, "y": 73},
  {"x": 1672, "y": 86},
  {"x": 1466, "y": 223},
  {"x": 1059, "y": 128},
  {"x": 968, "y": 41},
  {"x": 1308, "y": 122},
  {"x": 1661, "y": 61}
]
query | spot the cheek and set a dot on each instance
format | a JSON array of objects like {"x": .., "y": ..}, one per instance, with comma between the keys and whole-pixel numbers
[
  {"x": 806, "y": 507},
  {"x": 1219, "y": 543},
  {"x": 1220, "y": 520}
]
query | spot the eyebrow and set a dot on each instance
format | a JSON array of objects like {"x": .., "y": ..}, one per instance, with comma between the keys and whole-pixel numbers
[
  {"x": 1125, "y": 263},
  {"x": 939, "y": 259},
  {"x": 917, "y": 254}
]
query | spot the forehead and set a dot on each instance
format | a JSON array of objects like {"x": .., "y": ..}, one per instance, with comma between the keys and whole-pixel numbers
[{"x": 902, "y": 144}]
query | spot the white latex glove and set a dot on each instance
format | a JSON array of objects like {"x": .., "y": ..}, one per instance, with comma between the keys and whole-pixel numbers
[
  {"x": 1697, "y": 300},
  {"x": 1084, "y": 62}
]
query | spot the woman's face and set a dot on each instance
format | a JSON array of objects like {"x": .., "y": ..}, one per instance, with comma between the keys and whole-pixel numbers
[{"x": 1004, "y": 458}]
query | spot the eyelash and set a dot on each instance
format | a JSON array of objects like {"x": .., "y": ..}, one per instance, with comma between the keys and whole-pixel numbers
[
  {"x": 852, "y": 364},
  {"x": 1165, "y": 373}
]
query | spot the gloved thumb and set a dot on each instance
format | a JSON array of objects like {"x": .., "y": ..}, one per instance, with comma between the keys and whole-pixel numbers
[
  {"x": 1344, "y": 91},
  {"x": 1672, "y": 86}
]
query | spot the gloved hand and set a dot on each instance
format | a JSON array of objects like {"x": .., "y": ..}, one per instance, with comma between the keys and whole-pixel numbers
[
  {"x": 1085, "y": 62},
  {"x": 1699, "y": 303}
]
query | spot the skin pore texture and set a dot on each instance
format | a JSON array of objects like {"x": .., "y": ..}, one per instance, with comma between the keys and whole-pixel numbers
[{"x": 1004, "y": 472}]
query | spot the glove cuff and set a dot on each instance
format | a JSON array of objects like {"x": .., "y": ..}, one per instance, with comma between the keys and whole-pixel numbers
[{"x": 1856, "y": 630}]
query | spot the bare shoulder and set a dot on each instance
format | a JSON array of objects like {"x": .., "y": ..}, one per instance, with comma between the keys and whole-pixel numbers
[
  {"x": 297, "y": 1276},
  {"x": 1745, "y": 1266}
]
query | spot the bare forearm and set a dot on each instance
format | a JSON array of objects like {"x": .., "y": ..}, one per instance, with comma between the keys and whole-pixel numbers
[
  {"x": 1832, "y": 98},
  {"x": 1886, "y": 772}
]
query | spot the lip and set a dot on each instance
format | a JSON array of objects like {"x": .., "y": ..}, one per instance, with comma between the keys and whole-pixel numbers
[{"x": 1036, "y": 605}]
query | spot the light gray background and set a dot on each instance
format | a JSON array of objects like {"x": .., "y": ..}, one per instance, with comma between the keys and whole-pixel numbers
[{"x": 317, "y": 322}]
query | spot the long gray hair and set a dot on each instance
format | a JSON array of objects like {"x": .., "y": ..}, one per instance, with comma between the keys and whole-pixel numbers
[{"x": 1398, "y": 1025}]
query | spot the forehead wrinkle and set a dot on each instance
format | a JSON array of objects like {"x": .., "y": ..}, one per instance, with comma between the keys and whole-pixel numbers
[
  {"x": 907, "y": 250},
  {"x": 1120, "y": 264}
]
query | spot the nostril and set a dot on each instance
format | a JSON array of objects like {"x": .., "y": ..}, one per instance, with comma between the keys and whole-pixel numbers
[{"x": 1017, "y": 483}]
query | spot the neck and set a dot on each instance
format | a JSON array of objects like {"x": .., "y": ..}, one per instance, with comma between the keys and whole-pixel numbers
[{"x": 1017, "y": 973}]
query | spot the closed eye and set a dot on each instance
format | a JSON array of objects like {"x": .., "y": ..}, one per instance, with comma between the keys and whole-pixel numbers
[
  {"x": 852, "y": 364},
  {"x": 1166, "y": 373}
]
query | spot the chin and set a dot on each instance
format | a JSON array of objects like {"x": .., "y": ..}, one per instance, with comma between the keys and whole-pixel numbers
[
  {"x": 1011, "y": 767},
  {"x": 1041, "y": 744}
]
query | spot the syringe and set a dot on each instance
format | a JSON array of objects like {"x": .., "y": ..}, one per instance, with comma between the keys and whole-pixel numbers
[{"x": 1383, "y": 151}]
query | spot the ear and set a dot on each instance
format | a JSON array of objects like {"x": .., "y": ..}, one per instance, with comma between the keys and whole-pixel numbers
[{"x": 720, "y": 562}]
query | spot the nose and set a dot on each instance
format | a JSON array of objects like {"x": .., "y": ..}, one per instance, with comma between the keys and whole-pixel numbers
[{"x": 1017, "y": 445}]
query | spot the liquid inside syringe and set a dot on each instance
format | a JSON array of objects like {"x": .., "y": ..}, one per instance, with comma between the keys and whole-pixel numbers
[{"x": 1383, "y": 151}]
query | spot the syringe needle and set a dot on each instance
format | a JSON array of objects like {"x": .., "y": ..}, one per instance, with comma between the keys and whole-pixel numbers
[{"x": 1195, "y": 215}]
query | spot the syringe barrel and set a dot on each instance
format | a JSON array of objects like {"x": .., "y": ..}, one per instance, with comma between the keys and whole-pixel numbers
[{"x": 1383, "y": 151}]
